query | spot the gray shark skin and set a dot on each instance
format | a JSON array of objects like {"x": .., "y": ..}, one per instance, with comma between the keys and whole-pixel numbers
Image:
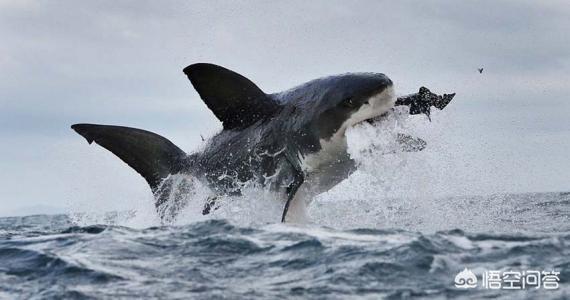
[{"x": 284, "y": 141}]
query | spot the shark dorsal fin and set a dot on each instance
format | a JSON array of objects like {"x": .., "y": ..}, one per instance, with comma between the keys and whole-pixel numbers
[{"x": 234, "y": 99}]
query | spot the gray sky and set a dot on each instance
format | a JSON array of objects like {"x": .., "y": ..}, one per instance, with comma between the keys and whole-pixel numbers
[{"x": 120, "y": 62}]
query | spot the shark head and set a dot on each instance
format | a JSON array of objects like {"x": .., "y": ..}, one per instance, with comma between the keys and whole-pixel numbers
[{"x": 330, "y": 105}]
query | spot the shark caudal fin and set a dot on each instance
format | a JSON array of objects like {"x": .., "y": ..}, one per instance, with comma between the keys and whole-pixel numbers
[{"x": 151, "y": 155}]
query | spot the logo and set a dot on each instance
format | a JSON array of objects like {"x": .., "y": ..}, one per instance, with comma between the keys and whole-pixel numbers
[
  {"x": 509, "y": 280},
  {"x": 466, "y": 279}
]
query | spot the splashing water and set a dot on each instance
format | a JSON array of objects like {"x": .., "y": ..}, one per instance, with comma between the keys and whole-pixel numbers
[
  {"x": 403, "y": 204},
  {"x": 428, "y": 191}
]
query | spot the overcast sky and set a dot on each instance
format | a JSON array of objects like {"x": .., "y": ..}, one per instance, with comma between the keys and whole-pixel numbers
[{"x": 120, "y": 62}]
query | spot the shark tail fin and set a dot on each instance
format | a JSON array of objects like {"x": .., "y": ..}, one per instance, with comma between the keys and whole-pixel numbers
[{"x": 151, "y": 155}]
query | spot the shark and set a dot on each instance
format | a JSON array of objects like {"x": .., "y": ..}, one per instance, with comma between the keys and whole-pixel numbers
[{"x": 292, "y": 142}]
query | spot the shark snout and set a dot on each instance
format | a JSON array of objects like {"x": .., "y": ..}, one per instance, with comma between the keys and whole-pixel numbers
[
  {"x": 380, "y": 91},
  {"x": 382, "y": 99},
  {"x": 377, "y": 105}
]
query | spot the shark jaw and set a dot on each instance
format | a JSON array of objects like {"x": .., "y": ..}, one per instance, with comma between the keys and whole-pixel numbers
[
  {"x": 378, "y": 104},
  {"x": 335, "y": 146}
]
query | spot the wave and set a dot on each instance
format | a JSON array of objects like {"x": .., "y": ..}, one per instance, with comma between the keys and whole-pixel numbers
[{"x": 216, "y": 258}]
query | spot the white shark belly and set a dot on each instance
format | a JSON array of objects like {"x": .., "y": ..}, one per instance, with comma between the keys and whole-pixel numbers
[{"x": 332, "y": 164}]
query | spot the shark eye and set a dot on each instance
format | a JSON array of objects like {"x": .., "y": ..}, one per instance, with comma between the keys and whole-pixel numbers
[{"x": 348, "y": 103}]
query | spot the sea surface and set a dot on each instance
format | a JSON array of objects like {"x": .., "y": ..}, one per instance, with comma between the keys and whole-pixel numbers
[{"x": 50, "y": 256}]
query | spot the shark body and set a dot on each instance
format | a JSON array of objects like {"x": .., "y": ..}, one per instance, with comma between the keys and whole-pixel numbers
[{"x": 285, "y": 141}]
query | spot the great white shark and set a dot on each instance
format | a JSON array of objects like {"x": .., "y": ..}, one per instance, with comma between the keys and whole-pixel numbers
[{"x": 288, "y": 141}]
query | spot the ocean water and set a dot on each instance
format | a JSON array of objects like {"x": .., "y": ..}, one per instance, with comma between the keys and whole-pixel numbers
[
  {"x": 402, "y": 227},
  {"x": 52, "y": 257}
]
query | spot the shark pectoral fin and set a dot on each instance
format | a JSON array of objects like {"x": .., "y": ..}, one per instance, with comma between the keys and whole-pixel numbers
[
  {"x": 151, "y": 155},
  {"x": 234, "y": 99},
  {"x": 295, "y": 171},
  {"x": 298, "y": 180}
]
